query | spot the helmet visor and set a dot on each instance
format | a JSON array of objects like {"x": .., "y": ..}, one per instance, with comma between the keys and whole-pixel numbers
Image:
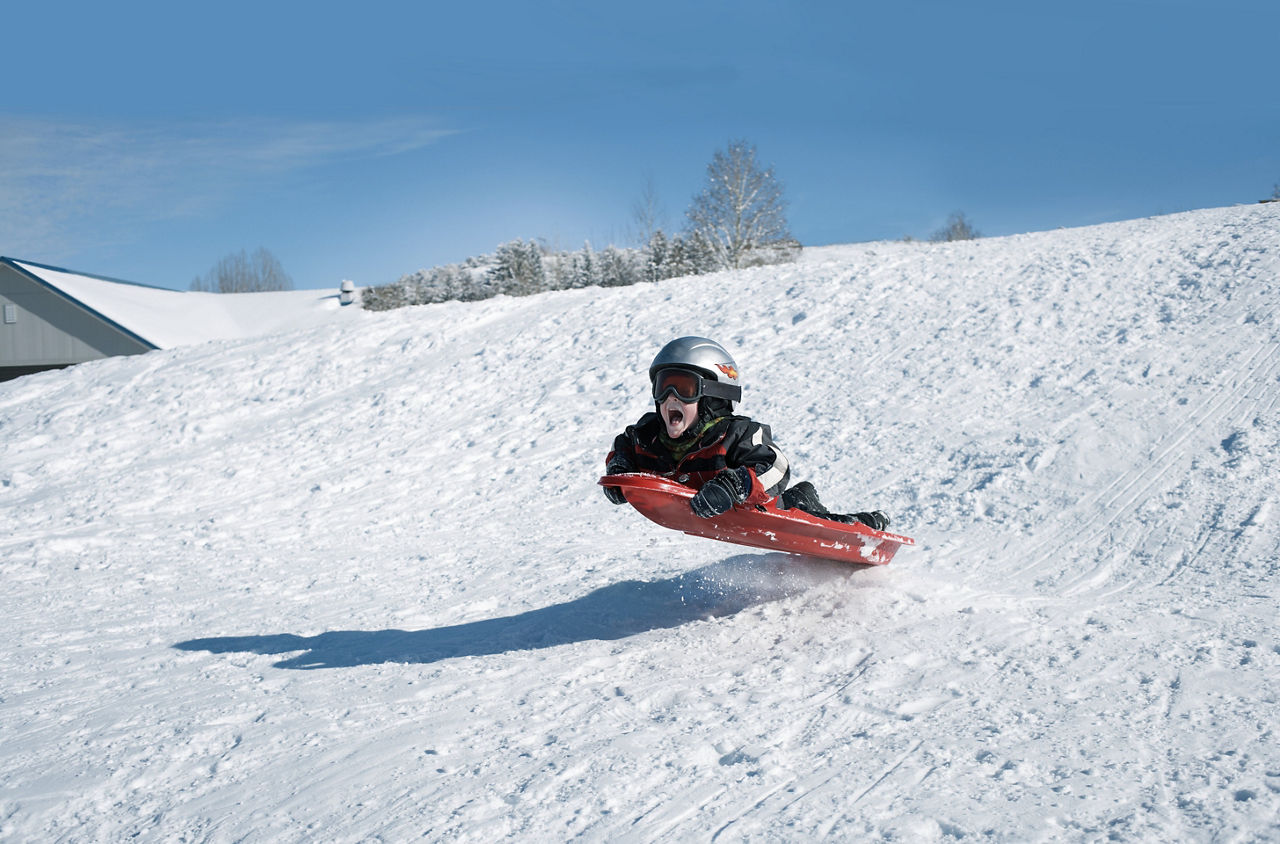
[{"x": 686, "y": 385}]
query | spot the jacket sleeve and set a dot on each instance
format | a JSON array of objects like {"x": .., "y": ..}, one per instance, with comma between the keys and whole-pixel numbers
[
  {"x": 755, "y": 449},
  {"x": 622, "y": 457}
]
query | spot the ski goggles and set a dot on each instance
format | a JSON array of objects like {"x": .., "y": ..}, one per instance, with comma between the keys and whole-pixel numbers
[{"x": 689, "y": 386}]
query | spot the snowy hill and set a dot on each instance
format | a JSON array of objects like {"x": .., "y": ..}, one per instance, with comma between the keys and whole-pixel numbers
[
  {"x": 168, "y": 318},
  {"x": 357, "y": 582}
]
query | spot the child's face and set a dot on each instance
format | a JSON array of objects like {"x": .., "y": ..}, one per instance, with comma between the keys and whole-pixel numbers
[{"x": 678, "y": 416}]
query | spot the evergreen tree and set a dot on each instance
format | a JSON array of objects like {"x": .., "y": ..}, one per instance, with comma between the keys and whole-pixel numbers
[
  {"x": 657, "y": 257},
  {"x": 585, "y": 273},
  {"x": 616, "y": 268},
  {"x": 518, "y": 270}
]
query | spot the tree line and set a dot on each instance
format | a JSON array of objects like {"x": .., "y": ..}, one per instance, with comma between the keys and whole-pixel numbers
[
  {"x": 525, "y": 267},
  {"x": 737, "y": 220}
]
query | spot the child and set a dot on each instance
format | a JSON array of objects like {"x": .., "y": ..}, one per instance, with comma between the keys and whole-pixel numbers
[{"x": 694, "y": 437}]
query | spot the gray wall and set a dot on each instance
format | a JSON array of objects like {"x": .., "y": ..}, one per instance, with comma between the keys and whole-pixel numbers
[{"x": 50, "y": 331}]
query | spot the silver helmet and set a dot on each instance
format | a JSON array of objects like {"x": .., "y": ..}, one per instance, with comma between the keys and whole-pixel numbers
[{"x": 705, "y": 357}]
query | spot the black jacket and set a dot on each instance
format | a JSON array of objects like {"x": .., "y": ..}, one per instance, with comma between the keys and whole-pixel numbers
[{"x": 711, "y": 445}]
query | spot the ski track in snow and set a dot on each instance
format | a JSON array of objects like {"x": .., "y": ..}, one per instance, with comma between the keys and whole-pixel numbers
[{"x": 357, "y": 582}]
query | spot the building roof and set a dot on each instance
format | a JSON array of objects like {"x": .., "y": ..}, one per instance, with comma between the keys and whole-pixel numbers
[{"x": 166, "y": 318}]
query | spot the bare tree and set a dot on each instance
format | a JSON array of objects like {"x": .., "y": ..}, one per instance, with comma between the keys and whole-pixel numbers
[
  {"x": 647, "y": 214},
  {"x": 957, "y": 228},
  {"x": 241, "y": 273},
  {"x": 740, "y": 213}
]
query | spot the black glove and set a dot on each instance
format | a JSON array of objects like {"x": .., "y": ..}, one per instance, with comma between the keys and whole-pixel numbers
[
  {"x": 874, "y": 520},
  {"x": 718, "y": 495},
  {"x": 617, "y": 465}
]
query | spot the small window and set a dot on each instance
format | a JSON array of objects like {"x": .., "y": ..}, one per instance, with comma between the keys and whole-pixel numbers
[{"x": 10, "y": 314}]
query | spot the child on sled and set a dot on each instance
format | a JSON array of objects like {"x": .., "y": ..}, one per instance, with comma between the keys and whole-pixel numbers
[{"x": 694, "y": 437}]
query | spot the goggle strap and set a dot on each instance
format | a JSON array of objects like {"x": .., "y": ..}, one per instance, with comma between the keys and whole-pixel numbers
[{"x": 716, "y": 390}]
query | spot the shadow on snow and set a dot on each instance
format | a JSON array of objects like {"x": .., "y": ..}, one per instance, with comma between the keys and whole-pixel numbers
[{"x": 612, "y": 612}]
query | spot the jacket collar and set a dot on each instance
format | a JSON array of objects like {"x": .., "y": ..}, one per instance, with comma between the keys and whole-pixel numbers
[{"x": 691, "y": 438}]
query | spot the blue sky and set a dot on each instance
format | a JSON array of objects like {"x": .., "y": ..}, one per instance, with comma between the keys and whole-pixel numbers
[{"x": 146, "y": 140}]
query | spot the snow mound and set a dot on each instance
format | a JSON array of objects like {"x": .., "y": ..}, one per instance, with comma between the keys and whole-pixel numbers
[
  {"x": 170, "y": 318},
  {"x": 356, "y": 580}
]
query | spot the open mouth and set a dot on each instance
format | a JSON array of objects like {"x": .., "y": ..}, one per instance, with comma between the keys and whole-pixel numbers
[{"x": 675, "y": 416}]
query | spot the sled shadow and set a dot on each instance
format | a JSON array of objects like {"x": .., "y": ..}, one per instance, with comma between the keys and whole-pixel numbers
[{"x": 612, "y": 612}]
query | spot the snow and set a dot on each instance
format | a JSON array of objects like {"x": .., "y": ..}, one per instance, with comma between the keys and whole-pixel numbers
[
  {"x": 356, "y": 581},
  {"x": 169, "y": 318}
]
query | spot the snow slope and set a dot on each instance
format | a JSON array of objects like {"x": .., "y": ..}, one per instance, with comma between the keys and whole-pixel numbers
[{"x": 357, "y": 582}]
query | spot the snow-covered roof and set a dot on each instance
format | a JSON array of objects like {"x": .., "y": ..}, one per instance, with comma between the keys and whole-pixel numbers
[{"x": 167, "y": 318}]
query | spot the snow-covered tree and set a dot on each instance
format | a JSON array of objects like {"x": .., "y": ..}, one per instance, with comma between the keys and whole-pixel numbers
[
  {"x": 518, "y": 270},
  {"x": 691, "y": 255},
  {"x": 657, "y": 257},
  {"x": 618, "y": 268},
  {"x": 583, "y": 271},
  {"x": 741, "y": 209}
]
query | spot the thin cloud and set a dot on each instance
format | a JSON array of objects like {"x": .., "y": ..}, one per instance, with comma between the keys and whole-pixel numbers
[{"x": 62, "y": 182}]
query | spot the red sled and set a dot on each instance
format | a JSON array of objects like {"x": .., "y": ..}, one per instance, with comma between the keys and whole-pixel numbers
[{"x": 764, "y": 526}]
